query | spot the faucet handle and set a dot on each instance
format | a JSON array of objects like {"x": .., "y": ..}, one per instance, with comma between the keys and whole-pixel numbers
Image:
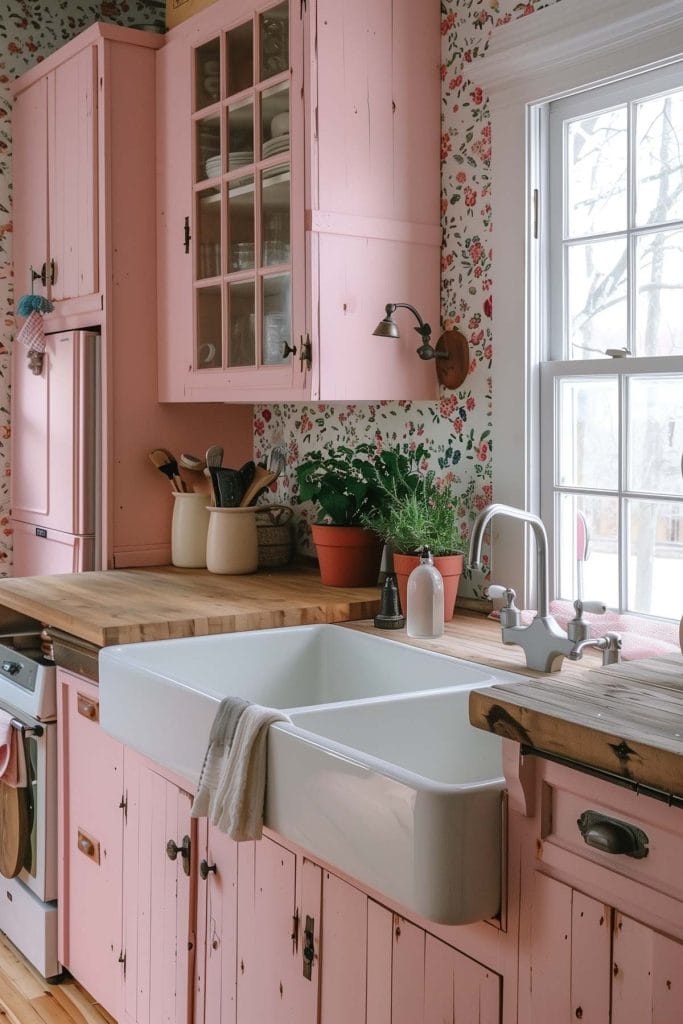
[
  {"x": 578, "y": 629},
  {"x": 510, "y": 615}
]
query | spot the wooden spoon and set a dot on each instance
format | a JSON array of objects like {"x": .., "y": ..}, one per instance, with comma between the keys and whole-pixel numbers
[
  {"x": 166, "y": 463},
  {"x": 263, "y": 478}
]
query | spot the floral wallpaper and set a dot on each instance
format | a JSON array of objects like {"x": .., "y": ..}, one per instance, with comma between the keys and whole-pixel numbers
[
  {"x": 29, "y": 31},
  {"x": 456, "y": 429}
]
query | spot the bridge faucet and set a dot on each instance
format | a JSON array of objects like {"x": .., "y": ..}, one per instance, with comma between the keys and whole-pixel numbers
[{"x": 544, "y": 642}]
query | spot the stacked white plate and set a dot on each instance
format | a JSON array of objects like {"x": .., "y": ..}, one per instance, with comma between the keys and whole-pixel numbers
[
  {"x": 240, "y": 159},
  {"x": 280, "y": 144},
  {"x": 213, "y": 166}
]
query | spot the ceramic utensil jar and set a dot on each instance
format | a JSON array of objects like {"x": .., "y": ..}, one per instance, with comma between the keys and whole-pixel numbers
[
  {"x": 188, "y": 530},
  {"x": 232, "y": 543}
]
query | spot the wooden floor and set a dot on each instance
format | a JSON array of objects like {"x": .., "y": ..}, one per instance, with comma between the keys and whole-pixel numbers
[{"x": 26, "y": 998}]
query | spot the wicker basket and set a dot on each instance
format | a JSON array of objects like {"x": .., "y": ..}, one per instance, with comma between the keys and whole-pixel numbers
[{"x": 274, "y": 534}]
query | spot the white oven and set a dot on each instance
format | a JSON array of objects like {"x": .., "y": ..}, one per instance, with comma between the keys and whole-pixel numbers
[{"x": 28, "y": 902}]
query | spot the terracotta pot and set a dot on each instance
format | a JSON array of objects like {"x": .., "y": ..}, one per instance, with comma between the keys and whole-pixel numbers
[
  {"x": 348, "y": 555},
  {"x": 450, "y": 567}
]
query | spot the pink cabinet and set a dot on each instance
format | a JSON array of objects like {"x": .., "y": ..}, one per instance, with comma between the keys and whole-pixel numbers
[
  {"x": 278, "y": 945},
  {"x": 601, "y": 926},
  {"x": 587, "y": 957},
  {"x": 379, "y": 968},
  {"x": 85, "y": 196},
  {"x": 55, "y": 137},
  {"x": 90, "y": 843},
  {"x": 158, "y": 930},
  {"x": 298, "y": 194},
  {"x": 216, "y": 961}
]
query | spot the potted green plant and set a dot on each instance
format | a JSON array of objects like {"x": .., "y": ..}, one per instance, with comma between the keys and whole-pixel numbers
[
  {"x": 345, "y": 485},
  {"x": 418, "y": 513}
]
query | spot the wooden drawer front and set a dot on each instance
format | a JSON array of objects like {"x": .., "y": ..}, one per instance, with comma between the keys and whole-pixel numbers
[{"x": 562, "y": 807}]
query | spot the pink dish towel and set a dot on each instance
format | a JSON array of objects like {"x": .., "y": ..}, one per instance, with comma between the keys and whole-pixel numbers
[
  {"x": 12, "y": 754},
  {"x": 7, "y": 731}
]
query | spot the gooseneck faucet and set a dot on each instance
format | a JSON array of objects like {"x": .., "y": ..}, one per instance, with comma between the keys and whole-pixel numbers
[{"x": 544, "y": 642}]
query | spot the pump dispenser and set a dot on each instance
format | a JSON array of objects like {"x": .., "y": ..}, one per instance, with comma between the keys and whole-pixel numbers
[{"x": 425, "y": 599}]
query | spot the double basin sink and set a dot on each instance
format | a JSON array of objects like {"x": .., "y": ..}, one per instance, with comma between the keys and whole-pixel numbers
[{"x": 379, "y": 773}]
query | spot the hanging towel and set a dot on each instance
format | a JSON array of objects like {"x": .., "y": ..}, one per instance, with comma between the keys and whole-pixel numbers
[
  {"x": 12, "y": 754},
  {"x": 238, "y": 803},
  {"x": 232, "y": 785},
  {"x": 6, "y": 735},
  {"x": 16, "y": 772},
  {"x": 220, "y": 741}
]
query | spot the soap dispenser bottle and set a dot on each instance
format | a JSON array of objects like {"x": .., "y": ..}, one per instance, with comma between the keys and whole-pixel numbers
[{"x": 425, "y": 599}]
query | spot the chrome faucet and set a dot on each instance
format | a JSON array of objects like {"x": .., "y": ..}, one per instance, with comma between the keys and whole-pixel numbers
[{"x": 544, "y": 642}]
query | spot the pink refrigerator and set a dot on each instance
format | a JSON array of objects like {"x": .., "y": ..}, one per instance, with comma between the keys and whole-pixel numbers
[{"x": 56, "y": 457}]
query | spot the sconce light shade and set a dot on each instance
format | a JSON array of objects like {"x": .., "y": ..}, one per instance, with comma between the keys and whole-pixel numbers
[{"x": 387, "y": 328}]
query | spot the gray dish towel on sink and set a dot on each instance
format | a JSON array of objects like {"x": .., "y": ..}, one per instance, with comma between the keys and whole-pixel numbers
[{"x": 232, "y": 783}]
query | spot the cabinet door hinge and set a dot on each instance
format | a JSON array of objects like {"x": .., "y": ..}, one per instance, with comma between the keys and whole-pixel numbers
[
  {"x": 306, "y": 354},
  {"x": 296, "y": 921},
  {"x": 123, "y": 806},
  {"x": 309, "y": 948},
  {"x": 186, "y": 235},
  {"x": 122, "y": 960}
]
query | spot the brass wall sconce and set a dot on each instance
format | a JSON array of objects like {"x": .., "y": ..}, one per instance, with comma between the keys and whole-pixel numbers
[{"x": 450, "y": 354}]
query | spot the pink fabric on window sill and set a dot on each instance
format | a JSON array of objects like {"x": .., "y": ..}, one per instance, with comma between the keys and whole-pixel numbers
[{"x": 641, "y": 637}]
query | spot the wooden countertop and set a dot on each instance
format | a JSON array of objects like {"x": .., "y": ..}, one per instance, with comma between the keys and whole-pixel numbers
[
  {"x": 122, "y": 606},
  {"x": 626, "y": 719}
]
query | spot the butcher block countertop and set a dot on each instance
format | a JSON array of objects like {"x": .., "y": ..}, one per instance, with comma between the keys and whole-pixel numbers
[{"x": 123, "y": 606}]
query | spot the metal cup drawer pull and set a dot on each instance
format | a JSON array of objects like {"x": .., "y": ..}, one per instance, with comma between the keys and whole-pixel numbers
[
  {"x": 88, "y": 846},
  {"x": 609, "y": 835},
  {"x": 90, "y": 709}
]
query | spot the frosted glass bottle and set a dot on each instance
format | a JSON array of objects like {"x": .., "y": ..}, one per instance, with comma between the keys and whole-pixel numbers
[{"x": 424, "y": 618}]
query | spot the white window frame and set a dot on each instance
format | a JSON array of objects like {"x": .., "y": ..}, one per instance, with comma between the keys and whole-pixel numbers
[{"x": 563, "y": 49}]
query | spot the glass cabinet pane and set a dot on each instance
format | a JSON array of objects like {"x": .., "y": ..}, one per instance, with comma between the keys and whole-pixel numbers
[
  {"x": 207, "y": 66},
  {"x": 277, "y": 318},
  {"x": 240, "y": 135},
  {"x": 208, "y": 245},
  {"x": 209, "y": 328},
  {"x": 240, "y": 58},
  {"x": 208, "y": 147},
  {"x": 242, "y": 341},
  {"x": 275, "y": 204},
  {"x": 274, "y": 38},
  {"x": 241, "y": 224},
  {"x": 275, "y": 120}
]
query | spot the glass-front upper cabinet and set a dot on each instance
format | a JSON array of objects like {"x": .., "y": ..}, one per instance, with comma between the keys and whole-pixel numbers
[{"x": 242, "y": 182}]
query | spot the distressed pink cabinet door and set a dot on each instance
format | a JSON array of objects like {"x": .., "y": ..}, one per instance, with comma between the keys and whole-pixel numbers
[
  {"x": 29, "y": 174},
  {"x": 457, "y": 988},
  {"x": 91, "y": 835},
  {"x": 72, "y": 159},
  {"x": 217, "y": 932},
  {"x": 344, "y": 969},
  {"x": 270, "y": 982},
  {"x": 158, "y": 936},
  {"x": 570, "y": 955},
  {"x": 355, "y": 978},
  {"x": 174, "y": 204},
  {"x": 408, "y": 973},
  {"x": 647, "y": 981}
]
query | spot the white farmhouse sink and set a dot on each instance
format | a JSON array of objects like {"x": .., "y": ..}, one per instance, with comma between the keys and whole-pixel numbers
[{"x": 379, "y": 773}]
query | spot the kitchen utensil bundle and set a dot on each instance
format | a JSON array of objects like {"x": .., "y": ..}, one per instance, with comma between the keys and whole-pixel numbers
[
  {"x": 230, "y": 485},
  {"x": 167, "y": 464}
]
